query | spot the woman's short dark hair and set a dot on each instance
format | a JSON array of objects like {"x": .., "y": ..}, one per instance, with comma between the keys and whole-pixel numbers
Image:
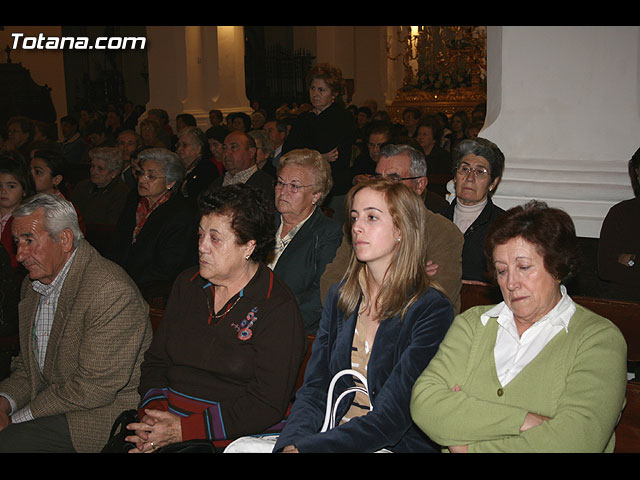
[
  {"x": 47, "y": 129},
  {"x": 12, "y": 163},
  {"x": 251, "y": 212},
  {"x": 26, "y": 125},
  {"x": 551, "y": 230},
  {"x": 188, "y": 119},
  {"x": 464, "y": 118},
  {"x": 482, "y": 148},
  {"x": 54, "y": 160},
  {"x": 432, "y": 122}
]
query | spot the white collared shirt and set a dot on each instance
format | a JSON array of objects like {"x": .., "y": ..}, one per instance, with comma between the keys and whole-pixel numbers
[
  {"x": 512, "y": 352},
  {"x": 283, "y": 242}
]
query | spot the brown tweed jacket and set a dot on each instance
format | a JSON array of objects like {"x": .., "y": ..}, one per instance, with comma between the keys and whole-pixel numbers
[{"x": 98, "y": 338}]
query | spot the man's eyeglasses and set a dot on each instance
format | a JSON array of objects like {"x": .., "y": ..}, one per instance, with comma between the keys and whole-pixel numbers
[
  {"x": 478, "y": 172},
  {"x": 291, "y": 187},
  {"x": 394, "y": 178}
]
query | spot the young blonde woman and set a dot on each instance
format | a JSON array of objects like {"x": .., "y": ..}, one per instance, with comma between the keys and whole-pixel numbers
[{"x": 383, "y": 321}]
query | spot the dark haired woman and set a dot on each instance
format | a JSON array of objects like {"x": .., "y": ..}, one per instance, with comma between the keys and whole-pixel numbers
[
  {"x": 47, "y": 170},
  {"x": 15, "y": 185},
  {"x": 225, "y": 358},
  {"x": 535, "y": 373}
]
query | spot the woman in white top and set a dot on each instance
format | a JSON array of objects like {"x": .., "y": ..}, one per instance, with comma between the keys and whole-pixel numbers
[{"x": 479, "y": 164}]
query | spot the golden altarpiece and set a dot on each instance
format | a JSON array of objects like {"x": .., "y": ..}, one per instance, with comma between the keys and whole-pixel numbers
[{"x": 444, "y": 69}]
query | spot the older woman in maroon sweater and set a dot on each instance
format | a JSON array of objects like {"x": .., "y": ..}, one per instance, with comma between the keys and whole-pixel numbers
[{"x": 225, "y": 358}]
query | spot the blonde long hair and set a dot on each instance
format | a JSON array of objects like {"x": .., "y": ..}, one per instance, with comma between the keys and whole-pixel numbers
[{"x": 406, "y": 278}]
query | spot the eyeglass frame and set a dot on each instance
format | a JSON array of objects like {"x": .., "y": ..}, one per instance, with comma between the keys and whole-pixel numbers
[
  {"x": 478, "y": 172},
  {"x": 378, "y": 176},
  {"x": 291, "y": 187},
  {"x": 151, "y": 178}
]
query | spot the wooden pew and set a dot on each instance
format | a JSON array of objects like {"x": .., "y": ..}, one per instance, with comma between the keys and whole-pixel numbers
[
  {"x": 478, "y": 293},
  {"x": 625, "y": 315},
  {"x": 155, "y": 315}
]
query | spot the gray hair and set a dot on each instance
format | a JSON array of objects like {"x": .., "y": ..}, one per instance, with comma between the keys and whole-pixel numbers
[
  {"x": 262, "y": 141},
  {"x": 418, "y": 166},
  {"x": 171, "y": 163},
  {"x": 484, "y": 148},
  {"x": 59, "y": 214},
  {"x": 111, "y": 156},
  {"x": 315, "y": 163},
  {"x": 197, "y": 136}
]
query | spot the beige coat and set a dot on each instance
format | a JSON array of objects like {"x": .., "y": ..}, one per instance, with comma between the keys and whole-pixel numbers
[{"x": 92, "y": 367}]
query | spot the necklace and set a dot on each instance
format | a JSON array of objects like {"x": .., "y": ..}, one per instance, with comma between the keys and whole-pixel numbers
[{"x": 211, "y": 306}]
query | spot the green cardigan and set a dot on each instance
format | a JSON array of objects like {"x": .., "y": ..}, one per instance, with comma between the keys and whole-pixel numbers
[{"x": 578, "y": 380}]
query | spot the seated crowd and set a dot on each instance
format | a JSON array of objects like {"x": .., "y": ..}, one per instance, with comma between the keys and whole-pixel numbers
[{"x": 261, "y": 237}]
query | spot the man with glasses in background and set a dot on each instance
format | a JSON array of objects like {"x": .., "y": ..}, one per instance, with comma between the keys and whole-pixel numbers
[{"x": 404, "y": 163}]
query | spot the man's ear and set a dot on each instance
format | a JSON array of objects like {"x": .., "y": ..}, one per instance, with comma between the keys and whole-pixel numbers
[
  {"x": 421, "y": 184},
  {"x": 66, "y": 240}
]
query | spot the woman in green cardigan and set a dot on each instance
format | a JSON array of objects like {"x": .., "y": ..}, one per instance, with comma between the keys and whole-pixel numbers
[{"x": 535, "y": 373}]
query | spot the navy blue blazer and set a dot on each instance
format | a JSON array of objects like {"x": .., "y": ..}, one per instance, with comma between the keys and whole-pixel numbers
[
  {"x": 401, "y": 351},
  {"x": 303, "y": 262}
]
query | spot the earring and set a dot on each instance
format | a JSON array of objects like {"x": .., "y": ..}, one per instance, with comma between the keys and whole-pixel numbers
[
  {"x": 398, "y": 238},
  {"x": 247, "y": 257}
]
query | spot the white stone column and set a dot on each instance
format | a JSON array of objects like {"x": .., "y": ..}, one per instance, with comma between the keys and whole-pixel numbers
[
  {"x": 562, "y": 104},
  {"x": 194, "y": 69}
]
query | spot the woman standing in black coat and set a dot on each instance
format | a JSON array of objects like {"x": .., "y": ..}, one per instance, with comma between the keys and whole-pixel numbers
[{"x": 328, "y": 128}]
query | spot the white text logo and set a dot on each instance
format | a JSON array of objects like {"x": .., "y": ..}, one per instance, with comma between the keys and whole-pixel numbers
[{"x": 76, "y": 43}]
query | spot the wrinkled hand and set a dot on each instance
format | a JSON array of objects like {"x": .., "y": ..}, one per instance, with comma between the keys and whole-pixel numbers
[
  {"x": 156, "y": 429},
  {"x": 5, "y": 408},
  {"x": 4, "y": 421},
  {"x": 331, "y": 156},
  {"x": 459, "y": 449},
  {"x": 432, "y": 268},
  {"x": 532, "y": 420}
]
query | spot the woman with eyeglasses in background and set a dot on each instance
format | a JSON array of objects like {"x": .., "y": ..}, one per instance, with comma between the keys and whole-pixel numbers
[
  {"x": 306, "y": 240},
  {"x": 479, "y": 165},
  {"x": 156, "y": 231}
]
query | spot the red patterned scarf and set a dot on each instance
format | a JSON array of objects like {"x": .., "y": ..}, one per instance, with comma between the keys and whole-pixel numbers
[{"x": 144, "y": 210}]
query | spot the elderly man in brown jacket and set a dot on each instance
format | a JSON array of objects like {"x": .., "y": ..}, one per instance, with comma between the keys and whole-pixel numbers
[
  {"x": 84, "y": 328},
  {"x": 404, "y": 163}
]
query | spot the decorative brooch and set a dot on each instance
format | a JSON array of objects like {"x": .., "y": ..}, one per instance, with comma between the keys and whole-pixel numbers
[{"x": 244, "y": 329}]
